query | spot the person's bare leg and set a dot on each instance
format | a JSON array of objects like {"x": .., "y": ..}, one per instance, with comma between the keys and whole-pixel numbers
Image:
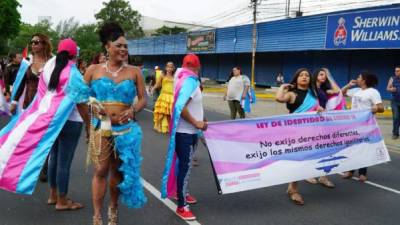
[
  {"x": 99, "y": 181},
  {"x": 115, "y": 179},
  {"x": 52, "y": 196},
  {"x": 294, "y": 195}
]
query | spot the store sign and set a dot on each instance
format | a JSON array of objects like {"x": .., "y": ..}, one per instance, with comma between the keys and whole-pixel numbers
[
  {"x": 201, "y": 41},
  {"x": 369, "y": 29}
]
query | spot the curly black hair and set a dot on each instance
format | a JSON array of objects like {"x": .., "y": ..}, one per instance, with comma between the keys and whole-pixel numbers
[
  {"x": 371, "y": 80},
  {"x": 110, "y": 31}
]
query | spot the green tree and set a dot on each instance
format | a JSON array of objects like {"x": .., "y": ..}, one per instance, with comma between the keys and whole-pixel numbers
[
  {"x": 121, "y": 12},
  {"x": 164, "y": 30},
  {"x": 10, "y": 20},
  {"x": 88, "y": 41},
  {"x": 18, "y": 43},
  {"x": 67, "y": 28}
]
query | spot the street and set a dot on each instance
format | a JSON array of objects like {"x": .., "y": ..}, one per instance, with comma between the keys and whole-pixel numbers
[{"x": 351, "y": 202}]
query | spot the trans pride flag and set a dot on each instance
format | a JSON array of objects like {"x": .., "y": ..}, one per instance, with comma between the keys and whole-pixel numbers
[
  {"x": 186, "y": 84},
  {"x": 309, "y": 104},
  {"x": 18, "y": 80},
  {"x": 27, "y": 139}
]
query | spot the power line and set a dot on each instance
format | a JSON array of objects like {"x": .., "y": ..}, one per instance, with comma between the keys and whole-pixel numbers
[
  {"x": 225, "y": 13},
  {"x": 278, "y": 9},
  {"x": 240, "y": 13}
]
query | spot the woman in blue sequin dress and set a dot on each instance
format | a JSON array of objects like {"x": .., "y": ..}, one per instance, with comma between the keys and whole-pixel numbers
[{"x": 114, "y": 135}]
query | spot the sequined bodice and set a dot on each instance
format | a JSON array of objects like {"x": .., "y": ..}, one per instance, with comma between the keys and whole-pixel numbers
[{"x": 106, "y": 90}]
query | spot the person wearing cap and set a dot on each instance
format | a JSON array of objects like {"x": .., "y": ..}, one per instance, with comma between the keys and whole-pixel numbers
[
  {"x": 62, "y": 152},
  {"x": 186, "y": 122},
  {"x": 50, "y": 123}
]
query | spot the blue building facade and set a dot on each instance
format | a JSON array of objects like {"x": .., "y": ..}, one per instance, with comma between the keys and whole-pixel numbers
[{"x": 346, "y": 42}]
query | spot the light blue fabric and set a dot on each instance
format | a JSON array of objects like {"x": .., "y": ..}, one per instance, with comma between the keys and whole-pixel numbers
[
  {"x": 18, "y": 79},
  {"x": 308, "y": 104},
  {"x": 28, "y": 178},
  {"x": 248, "y": 100},
  {"x": 77, "y": 89},
  {"x": 103, "y": 89},
  {"x": 129, "y": 146},
  {"x": 187, "y": 89},
  {"x": 106, "y": 90},
  {"x": 17, "y": 83}
]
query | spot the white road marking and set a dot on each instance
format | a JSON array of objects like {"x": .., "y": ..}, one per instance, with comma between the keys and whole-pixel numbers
[
  {"x": 148, "y": 110},
  {"x": 171, "y": 205},
  {"x": 166, "y": 201},
  {"x": 354, "y": 178},
  {"x": 377, "y": 185}
]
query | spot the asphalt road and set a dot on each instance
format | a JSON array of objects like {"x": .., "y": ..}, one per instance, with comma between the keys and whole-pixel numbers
[{"x": 350, "y": 203}]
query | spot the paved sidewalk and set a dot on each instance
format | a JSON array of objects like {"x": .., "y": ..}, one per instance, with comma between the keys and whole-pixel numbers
[
  {"x": 269, "y": 94},
  {"x": 268, "y": 107}
]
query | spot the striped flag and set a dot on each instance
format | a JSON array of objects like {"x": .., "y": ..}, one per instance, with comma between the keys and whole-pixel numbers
[{"x": 27, "y": 139}]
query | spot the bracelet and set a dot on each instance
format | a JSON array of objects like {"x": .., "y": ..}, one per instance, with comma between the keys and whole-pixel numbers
[
  {"x": 14, "y": 102},
  {"x": 133, "y": 110}
]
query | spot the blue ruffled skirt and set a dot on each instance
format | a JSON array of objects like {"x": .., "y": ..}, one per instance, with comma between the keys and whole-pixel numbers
[{"x": 128, "y": 146}]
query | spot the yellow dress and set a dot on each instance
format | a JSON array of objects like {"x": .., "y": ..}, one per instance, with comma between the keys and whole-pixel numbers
[{"x": 163, "y": 106}]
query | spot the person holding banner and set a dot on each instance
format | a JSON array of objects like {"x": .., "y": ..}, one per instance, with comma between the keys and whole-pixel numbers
[
  {"x": 187, "y": 120},
  {"x": 330, "y": 98},
  {"x": 366, "y": 97},
  {"x": 299, "y": 96}
]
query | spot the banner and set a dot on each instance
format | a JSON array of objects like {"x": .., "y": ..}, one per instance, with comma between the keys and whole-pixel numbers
[
  {"x": 261, "y": 152},
  {"x": 368, "y": 29},
  {"x": 201, "y": 41}
]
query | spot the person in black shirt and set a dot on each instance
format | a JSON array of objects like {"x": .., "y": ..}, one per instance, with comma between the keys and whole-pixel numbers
[{"x": 11, "y": 71}]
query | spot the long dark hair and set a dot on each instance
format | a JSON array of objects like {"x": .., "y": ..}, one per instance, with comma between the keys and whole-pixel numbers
[
  {"x": 62, "y": 59},
  {"x": 231, "y": 75},
  {"x": 324, "y": 86},
  {"x": 296, "y": 76}
]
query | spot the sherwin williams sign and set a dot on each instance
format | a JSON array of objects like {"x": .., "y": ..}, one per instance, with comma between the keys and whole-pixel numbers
[
  {"x": 369, "y": 29},
  {"x": 201, "y": 41}
]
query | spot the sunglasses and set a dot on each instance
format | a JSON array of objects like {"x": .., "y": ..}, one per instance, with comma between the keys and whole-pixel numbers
[
  {"x": 35, "y": 42},
  {"x": 121, "y": 45}
]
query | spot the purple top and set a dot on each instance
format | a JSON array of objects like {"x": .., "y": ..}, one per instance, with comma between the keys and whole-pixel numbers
[{"x": 322, "y": 97}]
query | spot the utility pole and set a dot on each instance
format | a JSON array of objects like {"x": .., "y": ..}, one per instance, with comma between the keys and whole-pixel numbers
[{"x": 254, "y": 4}]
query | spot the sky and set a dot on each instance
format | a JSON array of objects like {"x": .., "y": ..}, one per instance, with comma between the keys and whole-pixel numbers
[
  {"x": 84, "y": 10},
  {"x": 217, "y": 13}
]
